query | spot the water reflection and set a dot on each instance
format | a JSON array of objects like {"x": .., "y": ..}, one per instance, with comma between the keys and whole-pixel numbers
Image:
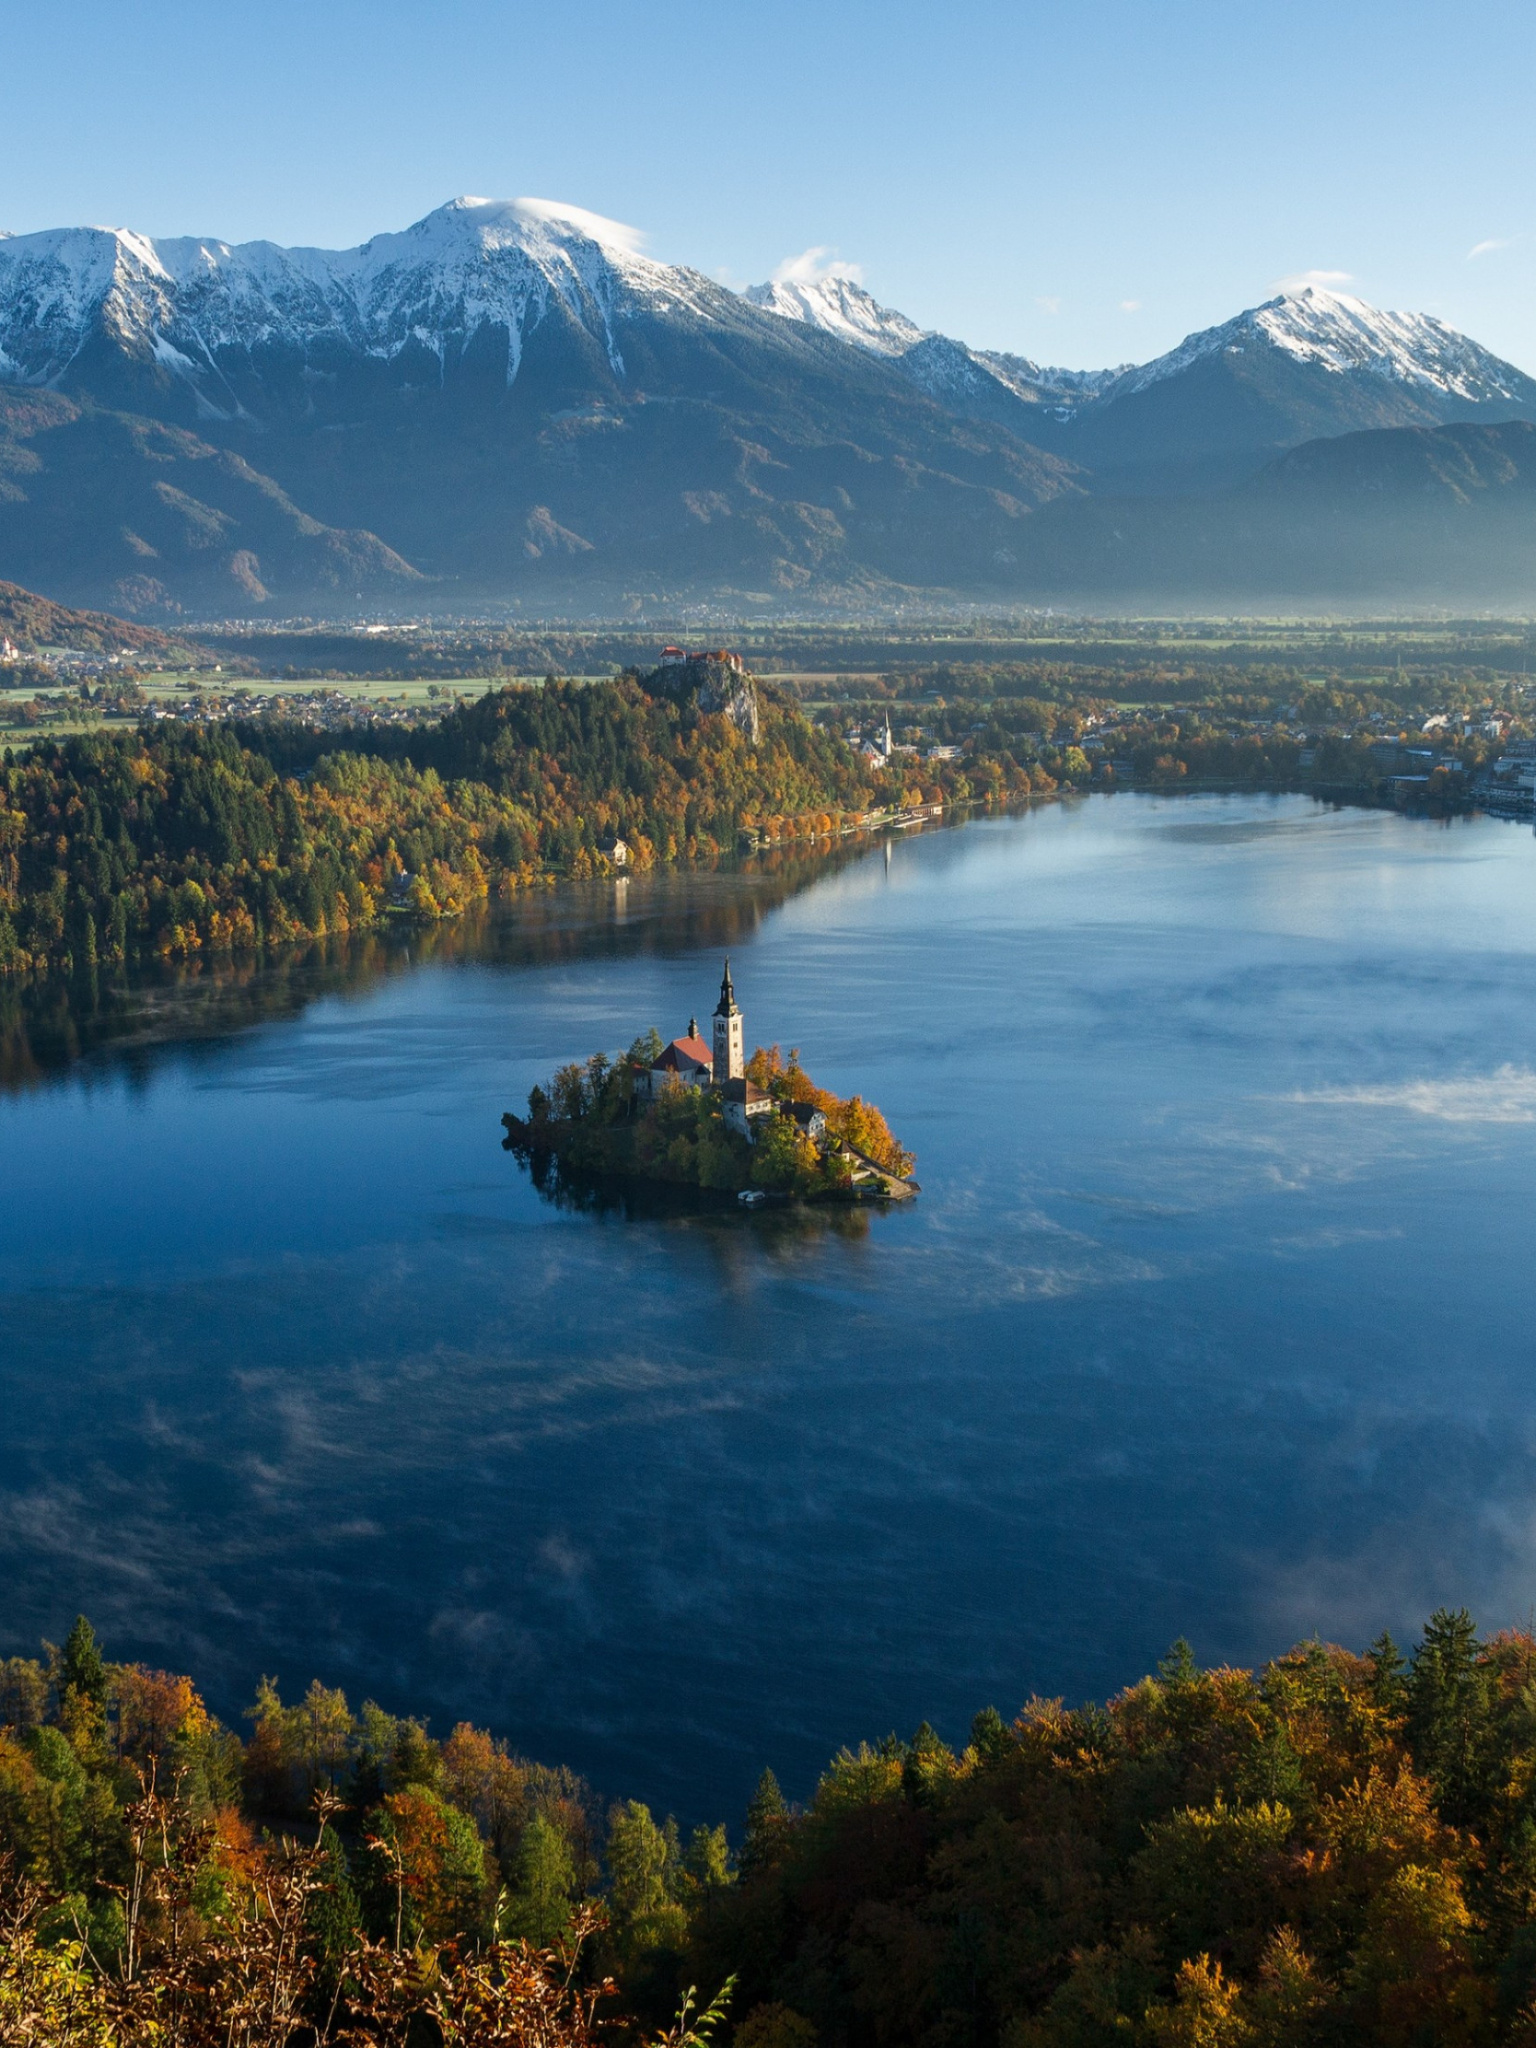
[
  {"x": 1214, "y": 1317},
  {"x": 49, "y": 1026},
  {"x": 719, "y": 1216}
]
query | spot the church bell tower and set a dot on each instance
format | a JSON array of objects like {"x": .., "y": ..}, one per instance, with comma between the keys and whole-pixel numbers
[{"x": 729, "y": 1063}]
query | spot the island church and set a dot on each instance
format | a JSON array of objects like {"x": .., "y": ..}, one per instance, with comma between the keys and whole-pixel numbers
[{"x": 692, "y": 1063}]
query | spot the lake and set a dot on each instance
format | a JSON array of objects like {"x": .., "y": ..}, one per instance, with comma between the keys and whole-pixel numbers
[{"x": 1215, "y": 1316}]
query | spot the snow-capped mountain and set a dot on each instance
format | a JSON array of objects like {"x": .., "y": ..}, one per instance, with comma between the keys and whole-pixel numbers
[
  {"x": 1301, "y": 367},
  {"x": 1387, "y": 369},
  {"x": 505, "y": 390},
  {"x": 512, "y": 395},
  {"x": 947, "y": 370},
  {"x": 198, "y": 307},
  {"x": 1350, "y": 338},
  {"x": 838, "y": 306}
]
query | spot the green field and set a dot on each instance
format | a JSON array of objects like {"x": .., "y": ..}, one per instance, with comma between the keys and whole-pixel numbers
[{"x": 63, "y": 712}]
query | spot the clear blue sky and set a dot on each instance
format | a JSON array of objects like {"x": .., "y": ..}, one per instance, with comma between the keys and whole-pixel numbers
[{"x": 1083, "y": 183}]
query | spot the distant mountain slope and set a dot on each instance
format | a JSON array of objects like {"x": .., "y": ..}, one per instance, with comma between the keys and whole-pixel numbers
[
  {"x": 31, "y": 622},
  {"x": 150, "y": 518},
  {"x": 1304, "y": 364},
  {"x": 1464, "y": 464},
  {"x": 518, "y": 403},
  {"x": 1402, "y": 516},
  {"x": 510, "y": 401}
]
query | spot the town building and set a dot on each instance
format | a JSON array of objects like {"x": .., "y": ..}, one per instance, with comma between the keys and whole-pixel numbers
[
  {"x": 743, "y": 1105},
  {"x": 810, "y": 1120},
  {"x": 879, "y": 746}
]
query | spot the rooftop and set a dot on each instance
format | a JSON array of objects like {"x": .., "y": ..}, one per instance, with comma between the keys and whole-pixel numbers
[
  {"x": 684, "y": 1051},
  {"x": 744, "y": 1091}
]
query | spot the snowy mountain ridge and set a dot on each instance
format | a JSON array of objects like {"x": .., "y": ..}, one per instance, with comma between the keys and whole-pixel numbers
[
  {"x": 198, "y": 306},
  {"x": 1347, "y": 336},
  {"x": 944, "y": 368},
  {"x": 1338, "y": 333},
  {"x": 838, "y": 306},
  {"x": 470, "y": 264}
]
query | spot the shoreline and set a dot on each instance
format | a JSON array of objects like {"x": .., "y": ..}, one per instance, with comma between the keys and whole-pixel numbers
[{"x": 561, "y": 1139}]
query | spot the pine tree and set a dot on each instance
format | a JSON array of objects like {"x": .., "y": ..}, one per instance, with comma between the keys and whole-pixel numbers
[
  {"x": 990, "y": 1737},
  {"x": 1179, "y": 1668},
  {"x": 81, "y": 1670},
  {"x": 1449, "y": 1715},
  {"x": 767, "y": 1819},
  {"x": 1388, "y": 1687},
  {"x": 540, "y": 1906}
]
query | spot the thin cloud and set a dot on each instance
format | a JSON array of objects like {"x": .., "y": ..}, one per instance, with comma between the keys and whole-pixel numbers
[
  {"x": 813, "y": 266},
  {"x": 1049, "y": 305},
  {"x": 1323, "y": 280},
  {"x": 1507, "y": 1096},
  {"x": 615, "y": 233},
  {"x": 1487, "y": 248},
  {"x": 1130, "y": 305}
]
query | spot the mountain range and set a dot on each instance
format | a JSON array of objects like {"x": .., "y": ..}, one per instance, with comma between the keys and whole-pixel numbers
[{"x": 509, "y": 402}]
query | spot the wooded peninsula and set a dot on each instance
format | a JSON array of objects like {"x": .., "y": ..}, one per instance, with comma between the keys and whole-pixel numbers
[
  {"x": 238, "y": 829},
  {"x": 172, "y": 841},
  {"x": 1339, "y": 1847}
]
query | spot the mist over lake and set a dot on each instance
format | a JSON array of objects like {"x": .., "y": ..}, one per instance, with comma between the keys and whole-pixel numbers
[{"x": 1214, "y": 1317}]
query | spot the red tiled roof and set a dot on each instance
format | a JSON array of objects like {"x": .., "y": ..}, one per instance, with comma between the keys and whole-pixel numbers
[{"x": 685, "y": 1049}]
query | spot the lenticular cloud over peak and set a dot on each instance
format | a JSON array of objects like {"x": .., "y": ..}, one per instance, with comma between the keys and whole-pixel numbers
[{"x": 613, "y": 234}]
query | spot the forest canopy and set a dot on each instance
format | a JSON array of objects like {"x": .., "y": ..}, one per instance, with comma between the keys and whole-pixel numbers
[
  {"x": 172, "y": 840},
  {"x": 1340, "y": 1847}
]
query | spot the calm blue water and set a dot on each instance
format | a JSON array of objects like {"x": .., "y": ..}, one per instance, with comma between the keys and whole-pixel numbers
[{"x": 1215, "y": 1316}]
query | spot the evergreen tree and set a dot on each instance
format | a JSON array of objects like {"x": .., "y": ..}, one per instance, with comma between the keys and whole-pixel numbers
[
  {"x": 1449, "y": 1715},
  {"x": 989, "y": 1736},
  {"x": 81, "y": 1670},
  {"x": 1179, "y": 1668},
  {"x": 643, "y": 1864},
  {"x": 767, "y": 1819},
  {"x": 544, "y": 1882},
  {"x": 1388, "y": 1686},
  {"x": 333, "y": 1916},
  {"x": 706, "y": 1865}
]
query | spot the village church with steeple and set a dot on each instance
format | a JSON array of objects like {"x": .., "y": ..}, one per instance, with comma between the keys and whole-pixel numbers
[{"x": 690, "y": 1063}]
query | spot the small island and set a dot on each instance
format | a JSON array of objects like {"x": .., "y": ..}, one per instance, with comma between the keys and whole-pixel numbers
[{"x": 701, "y": 1114}]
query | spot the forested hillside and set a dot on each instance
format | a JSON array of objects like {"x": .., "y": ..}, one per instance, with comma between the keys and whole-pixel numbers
[
  {"x": 174, "y": 840},
  {"x": 30, "y": 621},
  {"x": 1337, "y": 1848}
]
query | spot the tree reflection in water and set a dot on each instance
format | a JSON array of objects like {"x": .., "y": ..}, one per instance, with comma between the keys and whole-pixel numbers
[{"x": 128, "y": 1020}]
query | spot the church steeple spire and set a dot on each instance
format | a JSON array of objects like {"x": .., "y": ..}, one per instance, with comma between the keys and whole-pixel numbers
[{"x": 729, "y": 1060}]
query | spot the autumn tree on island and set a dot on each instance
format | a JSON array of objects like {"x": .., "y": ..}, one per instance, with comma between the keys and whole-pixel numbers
[{"x": 602, "y": 1119}]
